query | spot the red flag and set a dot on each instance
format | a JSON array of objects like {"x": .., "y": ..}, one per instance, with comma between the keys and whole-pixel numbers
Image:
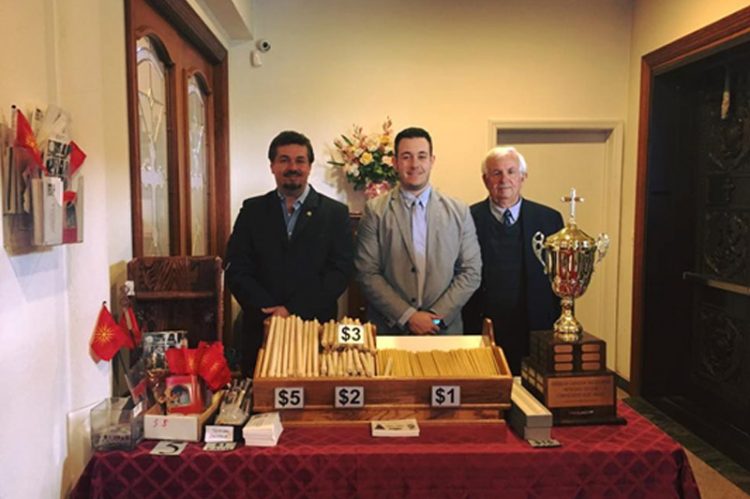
[
  {"x": 108, "y": 337},
  {"x": 77, "y": 157},
  {"x": 207, "y": 360},
  {"x": 25, "y": 138},
  {"x": 176, "y": 361},
  {"x": 213, "y": 366},
  {"x": 129, "y": 324}
]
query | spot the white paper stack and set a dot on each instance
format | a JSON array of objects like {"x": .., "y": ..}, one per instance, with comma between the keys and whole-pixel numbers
[
  {"x": 263, "y": 430},
  {"x": 528, "y": 417},
  {"x": 47, "y": 206},
  {"x": 395, "y": 428}
]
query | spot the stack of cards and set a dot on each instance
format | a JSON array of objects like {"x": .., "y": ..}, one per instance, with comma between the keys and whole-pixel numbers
[
  {"x": 263, "y": 430},
  {"x": 395, "y": 428}
]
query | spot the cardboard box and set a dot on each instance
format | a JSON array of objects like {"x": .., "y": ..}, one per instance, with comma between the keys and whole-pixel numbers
[{"x": 187, "y": 427}]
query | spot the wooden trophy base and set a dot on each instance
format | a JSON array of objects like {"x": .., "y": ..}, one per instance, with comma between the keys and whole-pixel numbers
[
  {"x": 588, "y": 354},
  {"x": 571, "y": 379},
  {"x": 580, "y": 398}
]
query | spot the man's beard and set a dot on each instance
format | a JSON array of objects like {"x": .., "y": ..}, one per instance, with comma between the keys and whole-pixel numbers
[{"x": 292, "y": 180}]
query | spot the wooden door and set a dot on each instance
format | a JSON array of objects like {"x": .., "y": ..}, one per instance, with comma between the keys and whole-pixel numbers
[
  {"x": 696, "y": 293},
  {"x": 177, "y": 88}
]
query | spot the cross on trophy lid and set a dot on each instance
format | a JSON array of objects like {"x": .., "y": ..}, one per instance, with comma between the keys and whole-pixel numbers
[{"x": 572, "y": 199}]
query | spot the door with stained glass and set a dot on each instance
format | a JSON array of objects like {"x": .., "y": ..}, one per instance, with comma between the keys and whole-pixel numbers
[{"x": 179, "y": 174}]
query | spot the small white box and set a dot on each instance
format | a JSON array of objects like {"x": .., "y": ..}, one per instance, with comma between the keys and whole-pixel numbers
[
  {"x": 528, "y": 417},
  {"x": 531, "y": 412},
  {"x": 186, "y": 427}
]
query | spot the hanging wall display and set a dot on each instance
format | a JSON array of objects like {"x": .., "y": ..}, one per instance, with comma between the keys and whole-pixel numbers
[{"x": 42, "y": 188}]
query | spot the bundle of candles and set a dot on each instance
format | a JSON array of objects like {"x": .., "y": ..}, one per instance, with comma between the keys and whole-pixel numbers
[
  {"x": 346, "y": 359},
  {"x": 462, "y": 362},
  {"x": 293, "y": 349}
]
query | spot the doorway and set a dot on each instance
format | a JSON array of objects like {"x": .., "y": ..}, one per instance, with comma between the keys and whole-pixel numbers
[
  {"x": 691, "y": 287},
  {"x": 587, "y": 156}
]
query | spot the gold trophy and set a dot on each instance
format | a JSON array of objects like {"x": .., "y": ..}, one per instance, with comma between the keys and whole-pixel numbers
[
  {"x": 566, "y": 368},
  {"x": 568, "y": 258}
]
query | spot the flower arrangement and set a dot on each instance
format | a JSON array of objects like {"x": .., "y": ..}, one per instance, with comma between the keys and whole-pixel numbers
[{"x": 367, "y": 160}]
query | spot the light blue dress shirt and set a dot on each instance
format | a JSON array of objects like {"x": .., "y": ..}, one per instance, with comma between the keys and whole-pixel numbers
[
  {"x": 498, "y": 212},
  {"x": 417, "y": 207},
  {"x": 291, "y": 218}
]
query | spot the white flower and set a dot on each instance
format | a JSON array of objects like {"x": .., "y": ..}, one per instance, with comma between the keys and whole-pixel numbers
[
  {"x": 352, "y": 169},
  {"x": 372, "y": 143}
]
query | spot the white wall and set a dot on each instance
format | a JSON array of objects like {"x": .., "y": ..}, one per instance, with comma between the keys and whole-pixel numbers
[
  {"x": 49, "y": 299},
  {"x": 70, "y": 53},
  {"x": 448, "y": 67},
  {"x": 445, "y": 65},
  {"x": 655, "y": 24}
]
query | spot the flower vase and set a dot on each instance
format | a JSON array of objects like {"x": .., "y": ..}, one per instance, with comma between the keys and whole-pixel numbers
[
  {"x": 375, "y": 189},
  {"x": 355, "y": 200}
]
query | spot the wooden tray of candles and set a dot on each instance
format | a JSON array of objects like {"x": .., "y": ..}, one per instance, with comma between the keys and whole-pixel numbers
[{"x": 310, "y": 375}]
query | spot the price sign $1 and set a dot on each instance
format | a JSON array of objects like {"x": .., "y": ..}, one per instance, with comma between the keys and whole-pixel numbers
[
  {"x": 351, "y": 334},
  {"x": 289, "y": 398},
  {"x": 446, "y": 396}
]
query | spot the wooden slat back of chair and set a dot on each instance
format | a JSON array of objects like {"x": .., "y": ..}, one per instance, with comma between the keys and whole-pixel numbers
[{"x": 179, "y": 292}]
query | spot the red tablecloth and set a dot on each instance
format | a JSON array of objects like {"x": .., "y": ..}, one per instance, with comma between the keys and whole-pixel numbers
[{"x": 633, "y": 460}]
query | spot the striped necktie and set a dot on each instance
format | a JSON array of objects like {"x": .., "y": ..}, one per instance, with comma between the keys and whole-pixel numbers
[{"x": 507, "y": 218}]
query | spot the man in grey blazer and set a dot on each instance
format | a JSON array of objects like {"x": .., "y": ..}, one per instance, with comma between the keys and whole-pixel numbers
[{"x": 417, "y": 255}]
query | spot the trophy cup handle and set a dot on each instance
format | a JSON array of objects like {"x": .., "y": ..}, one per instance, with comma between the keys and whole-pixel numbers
[
  {"x": 602, "y": 245},
  {"x": 537, "y": 243}
]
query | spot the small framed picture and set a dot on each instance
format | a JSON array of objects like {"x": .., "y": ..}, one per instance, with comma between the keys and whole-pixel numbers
[{"x": 184, "y": 394}]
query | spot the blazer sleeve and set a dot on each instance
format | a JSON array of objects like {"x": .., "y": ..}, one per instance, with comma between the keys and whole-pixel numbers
[
  {"x": 370, "y": 273},
  {"x": 467, "y": 273},
  {"x": 337, "y": 269},
  {"x": 241, "y": 265}
]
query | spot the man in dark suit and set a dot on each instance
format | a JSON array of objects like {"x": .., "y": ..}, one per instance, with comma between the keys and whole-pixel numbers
[
  {"x": 515, "y": 293},
  {"x": 291, "y": 250}
]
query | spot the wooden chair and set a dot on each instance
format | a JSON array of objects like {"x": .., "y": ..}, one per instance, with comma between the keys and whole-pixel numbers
[{"x": 179, "y": 292}]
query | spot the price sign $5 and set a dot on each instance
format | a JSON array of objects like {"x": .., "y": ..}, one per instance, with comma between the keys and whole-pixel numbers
[{"x": 289, "y": 398}]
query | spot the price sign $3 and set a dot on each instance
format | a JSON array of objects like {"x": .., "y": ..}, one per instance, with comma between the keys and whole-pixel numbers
[{"x": 351, "y": 334}]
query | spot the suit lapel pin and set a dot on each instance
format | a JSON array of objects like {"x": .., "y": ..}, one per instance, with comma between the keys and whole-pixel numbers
[{"x": 309, "y": 213}]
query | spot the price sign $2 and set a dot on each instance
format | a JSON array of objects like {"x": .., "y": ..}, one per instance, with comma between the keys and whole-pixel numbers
[{"x": 348, "y": 397}]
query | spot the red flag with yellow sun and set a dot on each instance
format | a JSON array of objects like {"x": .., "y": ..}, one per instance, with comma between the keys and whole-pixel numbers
[
  {"x": 108, "y": 336},
  {"x": 25, "y": 138}
]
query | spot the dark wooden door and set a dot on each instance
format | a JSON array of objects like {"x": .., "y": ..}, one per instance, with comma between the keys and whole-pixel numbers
[{"x": 696, "y": 329}]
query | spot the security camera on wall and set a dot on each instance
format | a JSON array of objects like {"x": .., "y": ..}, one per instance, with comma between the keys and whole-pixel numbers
[{"x": 263, "y": 45}]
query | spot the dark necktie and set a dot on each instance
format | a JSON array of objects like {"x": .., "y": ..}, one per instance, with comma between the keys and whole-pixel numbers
[{"x": 507, "y": 218}]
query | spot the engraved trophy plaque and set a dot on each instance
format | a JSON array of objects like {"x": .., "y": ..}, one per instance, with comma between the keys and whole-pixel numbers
[{"x": 566, "y": 368}]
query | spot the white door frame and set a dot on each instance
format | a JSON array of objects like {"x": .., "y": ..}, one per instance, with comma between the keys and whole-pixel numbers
[{"x": 613, "y": 141}]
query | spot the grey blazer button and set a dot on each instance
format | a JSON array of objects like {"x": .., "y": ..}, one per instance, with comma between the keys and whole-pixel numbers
[{"x": 414, "y": 269}]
